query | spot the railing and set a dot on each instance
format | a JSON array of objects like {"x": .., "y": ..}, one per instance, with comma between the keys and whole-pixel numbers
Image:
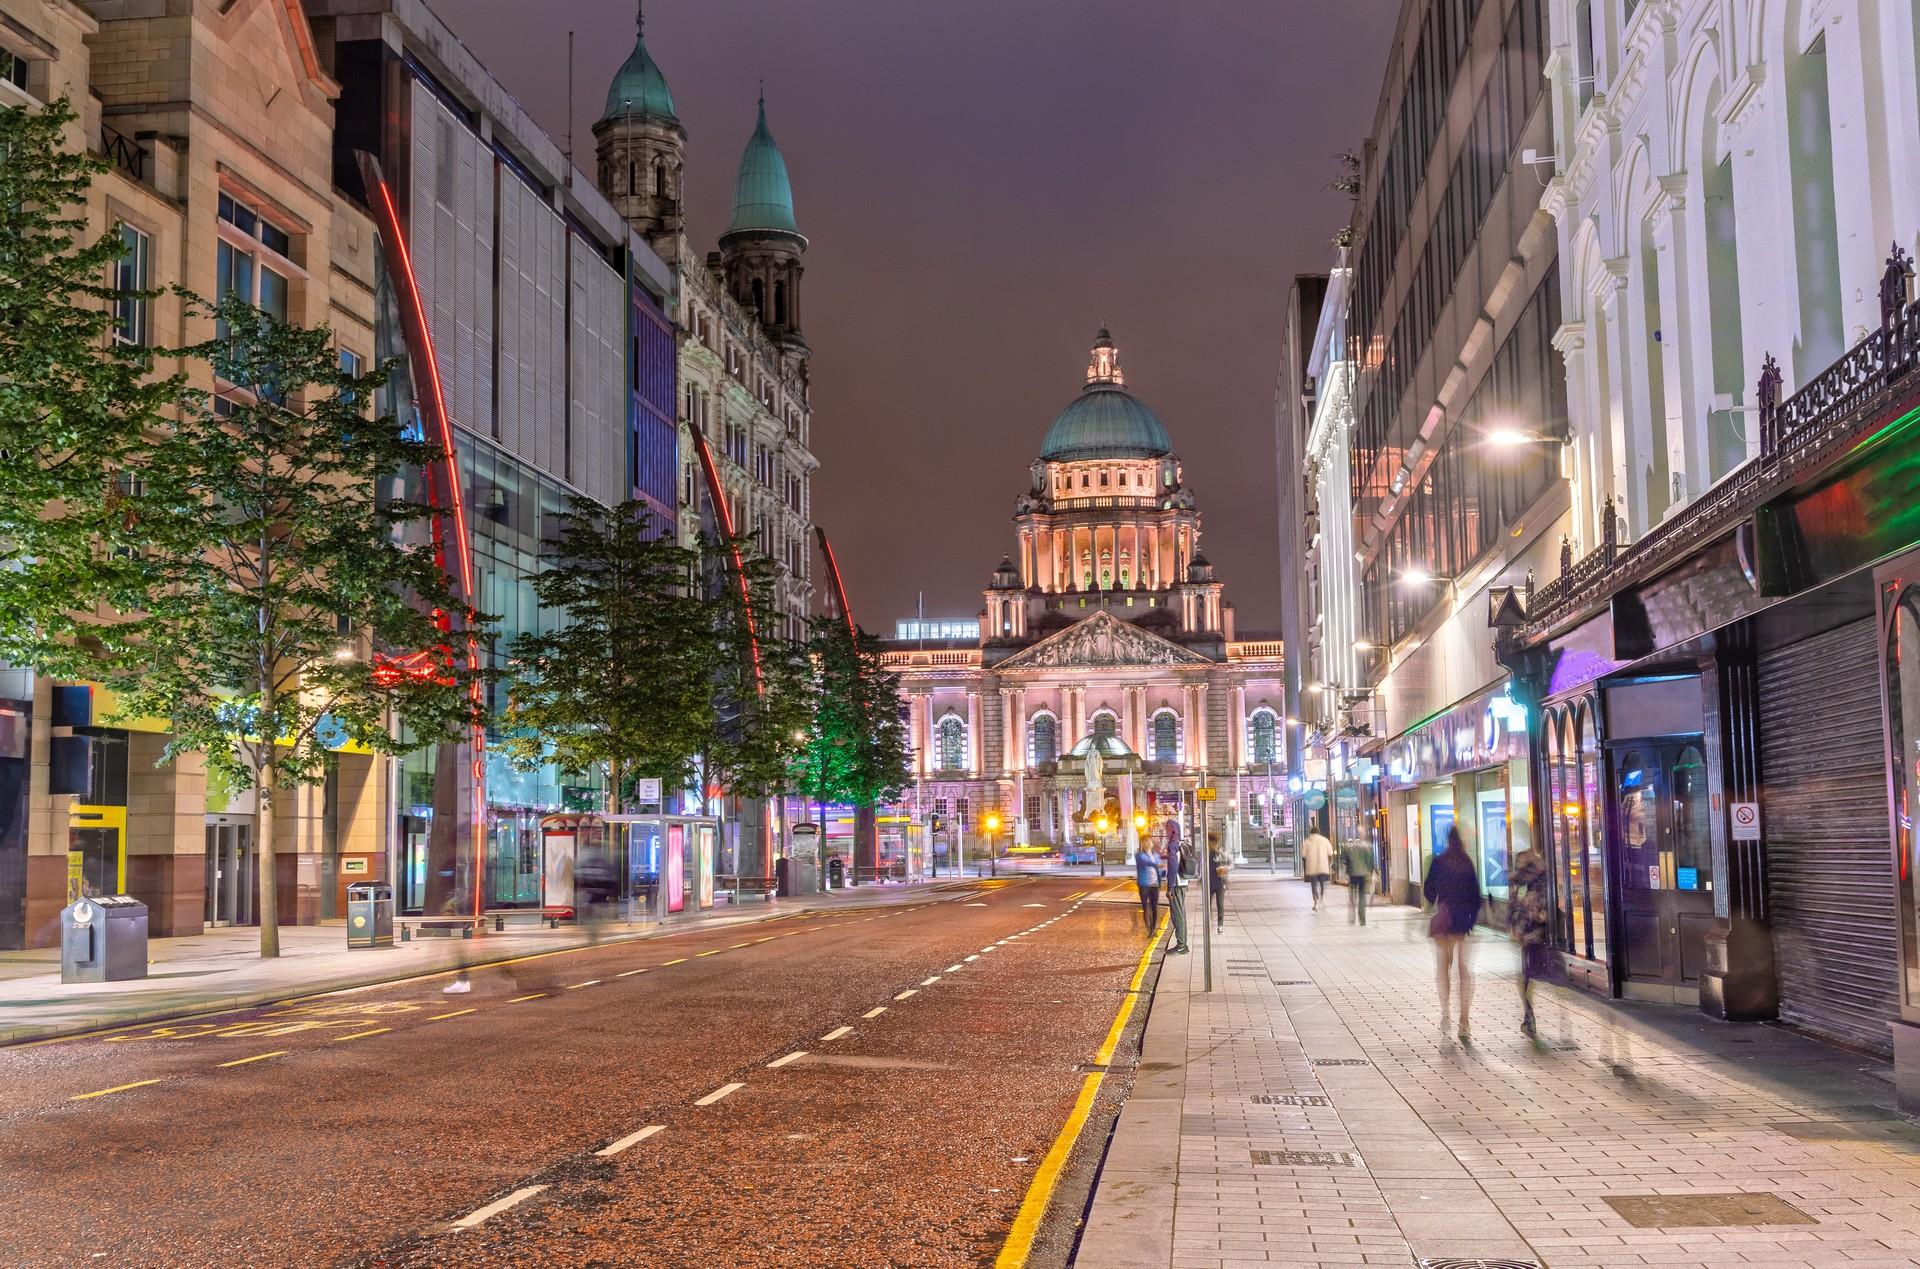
[
  {"x": 1102, "y": 502},
  {"x": 1261, "y": 650},
  {"x": 123, "y": 152},
  {"x": 931, "y": 659},
  {"x": 1797, "y": 436}
]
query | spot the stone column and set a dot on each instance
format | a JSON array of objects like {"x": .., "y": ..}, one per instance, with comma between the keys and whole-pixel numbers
[
  {"x": 1189, "y": 725},
  {"x": 1237, "y": 728},
  {"x": 1200, "y": 707},
  {"x": 975, "y": 751}
]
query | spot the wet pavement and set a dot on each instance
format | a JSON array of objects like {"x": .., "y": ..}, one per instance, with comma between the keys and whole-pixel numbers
[{"x": 634, "y": 1104}]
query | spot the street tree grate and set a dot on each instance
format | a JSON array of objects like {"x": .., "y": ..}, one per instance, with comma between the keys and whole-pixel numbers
[
  {"x": 1683, "y": 1211},
  {"x": 1303, "y": 1159},
  {"x": 1455, "y": 1262},
  {"x": 1292, "y": 1099},
  {"x": 1341, "y": 1062}
]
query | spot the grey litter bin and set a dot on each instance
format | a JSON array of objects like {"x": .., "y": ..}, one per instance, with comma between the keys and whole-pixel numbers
[
  {"x": 103, "y": 939},
  {"x": 369, "y": 914}
]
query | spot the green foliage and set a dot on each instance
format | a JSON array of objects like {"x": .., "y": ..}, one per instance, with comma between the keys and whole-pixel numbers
[
  {"x": 267, "y": 577},
  {"x": 623, "y": 683},
  {"x": 857, "y": 751},
  {"x": 73, "y": 401},
  {"x": 765, "y": 709}
]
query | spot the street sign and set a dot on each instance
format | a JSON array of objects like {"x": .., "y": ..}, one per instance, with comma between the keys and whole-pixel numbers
[
  {"x": 1746, "y": 821},
  {"x": 1205, "y": 795},
  {"x": 647, "y": 789}
]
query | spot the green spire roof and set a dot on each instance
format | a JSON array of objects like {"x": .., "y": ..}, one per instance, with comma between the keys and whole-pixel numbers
[
  {"x": 638, "y": 89},
  {"x": 762, "y": 194}
]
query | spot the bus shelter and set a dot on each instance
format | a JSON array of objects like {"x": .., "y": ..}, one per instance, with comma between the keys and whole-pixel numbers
[{"x": 654, "y": 866}]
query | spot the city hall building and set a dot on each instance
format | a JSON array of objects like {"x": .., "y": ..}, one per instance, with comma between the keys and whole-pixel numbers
[{"x": 1106, "y": 627}]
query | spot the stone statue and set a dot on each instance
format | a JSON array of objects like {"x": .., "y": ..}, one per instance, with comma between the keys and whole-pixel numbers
[{"x": 1095, "y": 770}]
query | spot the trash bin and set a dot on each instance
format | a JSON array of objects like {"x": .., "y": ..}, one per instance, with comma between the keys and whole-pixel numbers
[
  {"x": 369, "y": 914},
  {"x": 103, "y": 939},
  {"x": 836, "y": 873}
]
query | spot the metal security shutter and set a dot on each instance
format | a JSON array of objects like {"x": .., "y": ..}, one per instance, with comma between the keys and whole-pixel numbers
[{"x": 1824, "y": 814}]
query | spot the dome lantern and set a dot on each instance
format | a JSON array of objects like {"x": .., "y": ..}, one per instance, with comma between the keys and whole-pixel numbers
[{"x": 1105, "y": 420}]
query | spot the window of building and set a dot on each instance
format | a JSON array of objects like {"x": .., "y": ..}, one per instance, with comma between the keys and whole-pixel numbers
[
  {"x": 1043, "y": 739},
  {"x": 1262, "y": 748},
  {"x": 132, "y": 315},
  {"x": 253, "y": 258},
  {"x": 1105, "y": 725},
  {"x": 950, "y": 745},
  {"x": 14, "y": 69},
  {"x": 1166, "y": 737}
]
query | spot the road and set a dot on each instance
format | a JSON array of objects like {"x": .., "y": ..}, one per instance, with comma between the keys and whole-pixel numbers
[{"x": 872, "y": 1087}]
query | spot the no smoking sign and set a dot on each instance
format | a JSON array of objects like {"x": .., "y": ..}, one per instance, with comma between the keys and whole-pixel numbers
[{"x": 1746, "y": 821}]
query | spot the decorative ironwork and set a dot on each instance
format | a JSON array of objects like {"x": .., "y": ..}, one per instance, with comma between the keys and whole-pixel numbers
[
  {"x": 1798, "y": 435},
  {"x": 123, "y": 152}
]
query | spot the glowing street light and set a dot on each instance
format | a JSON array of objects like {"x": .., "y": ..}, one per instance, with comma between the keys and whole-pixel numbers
[{"x": 1417, "y": 576}]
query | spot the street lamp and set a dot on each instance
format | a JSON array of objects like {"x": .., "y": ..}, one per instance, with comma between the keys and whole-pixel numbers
[
  {"x": 989, "y": 825},
  {"x": 1417, "y": 576}
]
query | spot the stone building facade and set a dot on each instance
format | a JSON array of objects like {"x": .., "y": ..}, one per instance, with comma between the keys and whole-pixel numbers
[
  {"x": 1107, "y": 628},
  {"x": 743, "y": 362}
]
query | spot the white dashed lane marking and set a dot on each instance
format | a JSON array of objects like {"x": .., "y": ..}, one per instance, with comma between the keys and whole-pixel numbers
[
  {"x": 874, "y": 1013},
  {"x": 725, "y": 1090},
  {"x": 791, "y": 1057},
  {"x": 911, "y": 991},
  {"x": 631, "y": 1139},
  {"x": 837, "y": 1032},
  {"x": 928, "y": 982},
  {"x": 497, "y": 1206}
]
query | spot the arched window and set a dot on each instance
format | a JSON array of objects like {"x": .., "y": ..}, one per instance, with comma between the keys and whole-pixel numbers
[
  {"x": 1043, "y": 739},
  {"x": 660, "y": 180},
  {"x": 1105, "y": 724},
  {"x": 1166, "y": 737},
  {"x": 759, "y": 299},
  {"x": 1262, "y": 738},
  {"x": 950, "y": 745}
]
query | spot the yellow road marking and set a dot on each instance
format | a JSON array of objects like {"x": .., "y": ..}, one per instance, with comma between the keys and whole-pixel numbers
[
  {"x": 631, "y": 972},
  {"x": 770, "y": 938},
  {"x": 725, "y": 1090},
  {"x": 678, "y": 960},
  {"x": 258, "y": 1057},
  {"x": 1019, "y": 1244},
  {"x": 533, "y": 995},
  {"x": 361, "y": 1035},
  {"x": 441, "y": 1017},
  {"x": 118, "y": 1088},
  {"x": 715, "y": 952},
  {"x": 632, "y": 1139},
  {"x": 748, "y": 943}
]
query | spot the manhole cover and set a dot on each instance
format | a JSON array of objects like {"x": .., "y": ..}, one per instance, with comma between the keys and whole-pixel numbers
[
  {"x": 1454, "y": 1262},
  {"x": 1680, "y": 1211},
  {"x": 1291, "y": 1099},
  {"x": 1341, "y": 1062},
  {"x": 1303, "y": 1159}
]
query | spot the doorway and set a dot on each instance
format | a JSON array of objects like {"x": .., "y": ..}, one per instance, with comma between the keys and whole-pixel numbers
[
  {"x": 1663, "y": 854},
  {"x": 231, "y": 879}
]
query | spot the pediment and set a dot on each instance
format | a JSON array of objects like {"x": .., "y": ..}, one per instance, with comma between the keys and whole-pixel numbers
[{"x": 1102, "y": 640}]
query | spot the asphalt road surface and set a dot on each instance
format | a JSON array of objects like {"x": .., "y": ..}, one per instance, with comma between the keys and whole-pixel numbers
[{"x": 859, "y": 1088}]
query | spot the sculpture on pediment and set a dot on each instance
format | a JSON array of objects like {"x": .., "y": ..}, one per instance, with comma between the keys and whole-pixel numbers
[{"x": 1104, "y": 639}]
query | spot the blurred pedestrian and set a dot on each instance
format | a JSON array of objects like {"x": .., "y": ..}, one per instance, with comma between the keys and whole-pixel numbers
[
  {"x": 1221, "y": 863},
  {"x": 1172, "y": 868},
  {"x": 1357, "y": 860},
  {"x": 1527, "y": 915},
  {"x": 1453, "y": 888},
  {"x": 1316, "y": 861},
  {"x": 1146, "y": 878}
]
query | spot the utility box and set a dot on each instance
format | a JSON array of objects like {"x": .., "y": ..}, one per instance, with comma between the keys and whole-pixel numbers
[
  {"x": 103, "y": 939},
  {"x": 369, "y": 914}
]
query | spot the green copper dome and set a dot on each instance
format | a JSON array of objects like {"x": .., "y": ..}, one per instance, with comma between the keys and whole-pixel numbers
[
  {"x": 638, "y": 89},
  {"x": 762, "y": 194},
  {"x": 1105, "y": 420}
]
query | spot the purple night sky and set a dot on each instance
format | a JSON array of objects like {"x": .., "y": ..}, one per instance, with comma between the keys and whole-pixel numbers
[{"x": 985, "y": 182}]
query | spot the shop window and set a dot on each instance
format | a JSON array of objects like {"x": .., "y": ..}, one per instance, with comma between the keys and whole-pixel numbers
[{"x": 1903, "y": 729}]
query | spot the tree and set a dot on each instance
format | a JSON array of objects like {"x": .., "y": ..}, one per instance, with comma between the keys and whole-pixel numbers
[
  {"x": 858, "y": 750},
  {"x": 621, "y": 686},
  {"x": 283, "y": 607},
  {"x": 74, "y": 400}
]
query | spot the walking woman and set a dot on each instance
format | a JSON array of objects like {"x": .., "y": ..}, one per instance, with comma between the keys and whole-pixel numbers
[
  {"x": 1316, "y": 862},
  {"x": 1146, "y": 877},
  {"x": 1453, "y": 888},
  {"x": 1527, "y": 915},
  {"x": 1221, "y": 863}
]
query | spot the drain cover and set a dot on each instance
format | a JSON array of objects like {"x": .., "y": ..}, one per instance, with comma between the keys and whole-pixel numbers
[
  {"x": 1291, "y": 1099},
  {"x": 1341, "y": 1062},
  {"x": 1303, "y": 1159},
  {"x": 1454, "y": 1262},
  {"x": 1680, "y": 1211},
  {"x": 1292, "y": 982}
]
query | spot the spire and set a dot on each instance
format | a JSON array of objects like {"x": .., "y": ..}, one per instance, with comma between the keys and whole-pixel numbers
[
  {"x": 640, "y": 18},
  {"x": 1105, "y": 366},
  {"x": 639, "y": 90},
  {"x": 762, "y": 193}
]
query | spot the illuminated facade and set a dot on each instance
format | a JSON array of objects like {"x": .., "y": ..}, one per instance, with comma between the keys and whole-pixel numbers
[{"x": 1108, "y": 627}]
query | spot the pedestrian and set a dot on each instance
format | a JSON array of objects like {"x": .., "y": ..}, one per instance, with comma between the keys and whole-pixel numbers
[
  {"x": 1171, "y": 868},
  {"x": 1221, "y": 863},
  {"x": 1453, "y": 888},
  {"x": 1357, "y": 860},
  {"x": 1527, "y": 914},
  {"x": 1146, "y": 877},
  {"x": 1316, "y": 861}
]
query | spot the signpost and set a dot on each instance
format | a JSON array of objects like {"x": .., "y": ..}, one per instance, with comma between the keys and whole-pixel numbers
[{"x": 1203, "y": 796}]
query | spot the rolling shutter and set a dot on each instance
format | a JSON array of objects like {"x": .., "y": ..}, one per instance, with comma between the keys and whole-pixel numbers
[{"x": 1824, "y": 816}]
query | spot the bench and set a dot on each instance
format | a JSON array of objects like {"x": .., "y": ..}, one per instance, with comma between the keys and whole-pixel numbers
[{"x": 741, "y": 888}]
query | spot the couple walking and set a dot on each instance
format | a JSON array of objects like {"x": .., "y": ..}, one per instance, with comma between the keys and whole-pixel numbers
[
  {"x": 1151, "y": 867},
  {"x": 1356, "y": 860},
  {"x": 1453, "y": 888}
]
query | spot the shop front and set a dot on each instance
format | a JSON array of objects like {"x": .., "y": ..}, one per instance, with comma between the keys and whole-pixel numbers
[{"x": 1464, "y": 769}]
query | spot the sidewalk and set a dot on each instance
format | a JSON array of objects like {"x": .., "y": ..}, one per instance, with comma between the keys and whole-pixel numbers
[
  {"x": 221, "y": 969},
  {"x": 1308, "y": 1112}
]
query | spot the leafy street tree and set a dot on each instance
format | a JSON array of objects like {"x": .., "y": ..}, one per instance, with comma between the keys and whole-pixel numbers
[
  {"x": 622, "y": 685},
  {"x": 74, "y": 400},
  {"x": 858, "y": 749},
  {"x": 282, "y": 607}
]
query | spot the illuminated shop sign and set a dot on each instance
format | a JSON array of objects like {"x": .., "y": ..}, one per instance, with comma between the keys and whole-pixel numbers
[{"x": 1488, "y": 730}]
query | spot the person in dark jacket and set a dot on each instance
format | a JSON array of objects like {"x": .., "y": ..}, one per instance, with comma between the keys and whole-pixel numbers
[{"x": 1453, "y": 888}]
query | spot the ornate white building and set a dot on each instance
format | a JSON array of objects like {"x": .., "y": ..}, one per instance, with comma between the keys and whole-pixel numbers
[{"x": 1107, "y": 626}]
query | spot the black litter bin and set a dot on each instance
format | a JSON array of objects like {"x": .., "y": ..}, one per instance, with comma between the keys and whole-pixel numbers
[
  {"x": 836, "y": 873},
  {"x": 103, "y": 939},
  {"x": 369, "y": 914}
]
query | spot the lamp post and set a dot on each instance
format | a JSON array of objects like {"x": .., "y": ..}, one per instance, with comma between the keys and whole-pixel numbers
[
  {"x": 989, "y": 825},
  {"x": 1101, "y": 827}
]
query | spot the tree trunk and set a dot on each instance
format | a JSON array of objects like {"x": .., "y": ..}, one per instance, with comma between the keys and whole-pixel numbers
[{"x": 263, "y": 852}]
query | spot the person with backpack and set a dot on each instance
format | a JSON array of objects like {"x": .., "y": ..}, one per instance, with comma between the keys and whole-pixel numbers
[
  {"x": 1453, "y": 888},
  {"x": 1357, "y": 859}
]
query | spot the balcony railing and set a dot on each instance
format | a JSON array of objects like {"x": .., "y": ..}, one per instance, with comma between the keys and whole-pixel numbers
[
  {"x": 1799, "y": 435},
  {"x": 123, "y": 152}
]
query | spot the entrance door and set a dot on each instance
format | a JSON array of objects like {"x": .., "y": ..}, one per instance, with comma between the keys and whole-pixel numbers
[
  {"x": 1665, "y": 863},
  {"x": 231, "y": 883}
]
